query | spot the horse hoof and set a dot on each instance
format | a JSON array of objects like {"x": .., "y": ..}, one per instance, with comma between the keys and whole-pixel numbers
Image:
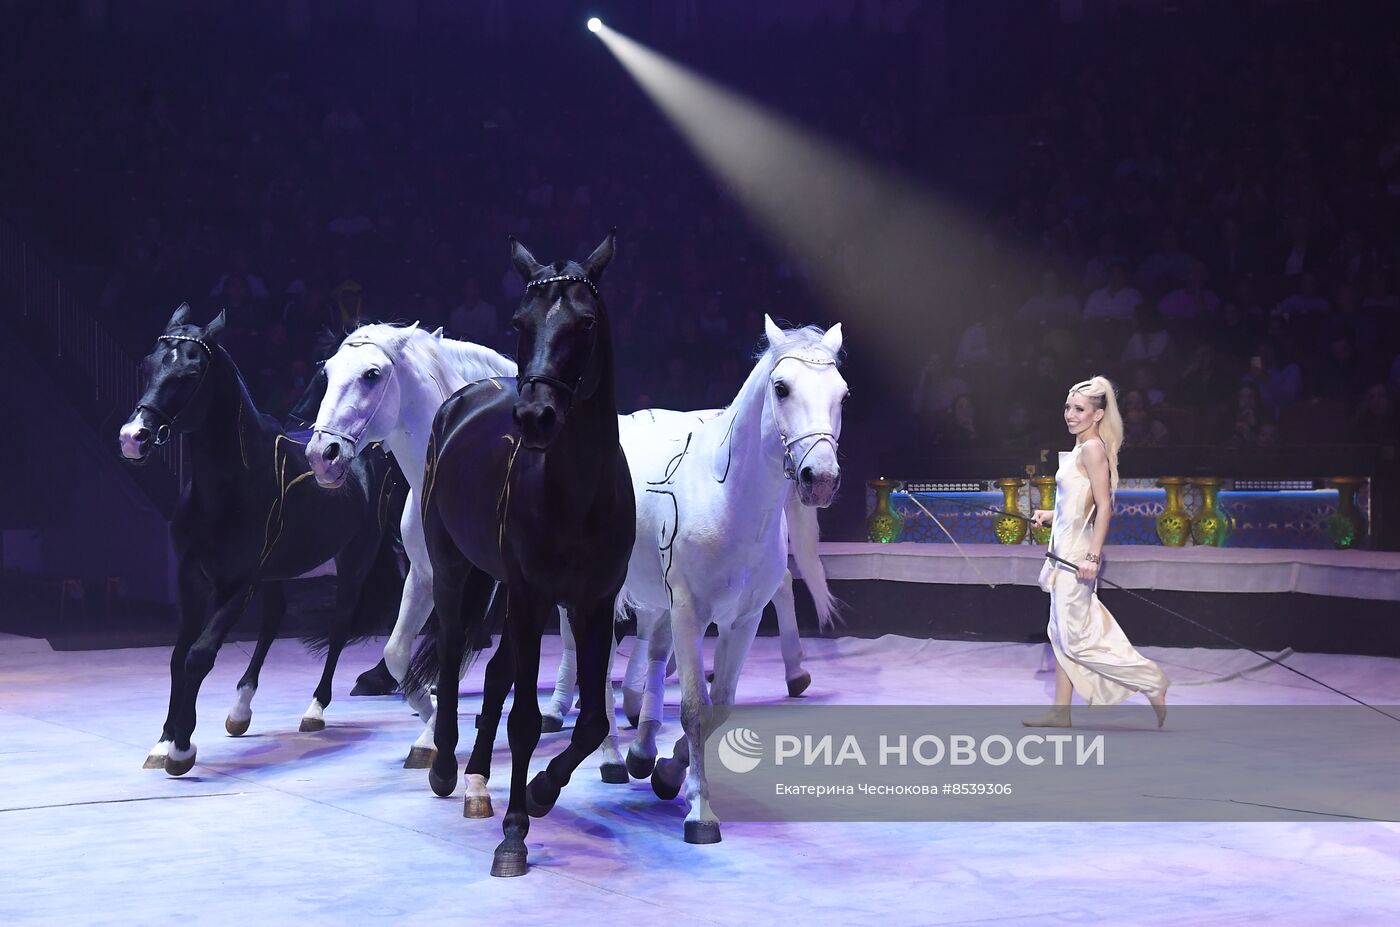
[
  {"x": 614, "y": 773},
  {"x": 507, "y": 864},
  {"x": 236, "y": 728},
  {"x": 311, "y": 725},
  {"x": 420, "y": 758},
  {"x": 634, "y": 720},
  {"x": 443, "y": 786},
  {"x": 376, "y": 681},
  {"x": 550, "y": 724},
  {"x": 154, "y": 760},
  {"x": 798, "y": 684},
  {"x": 477, "y": 806},
  {"x": 702, "y": 832},
  {"x": 541, "y": 795},
  {"x": 664, "y": 790},
  {"x": 178, "y": 767},
  {"x": 639, "y": 767}
]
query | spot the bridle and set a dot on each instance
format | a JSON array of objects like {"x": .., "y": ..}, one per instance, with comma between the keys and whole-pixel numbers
[
  {"x": 568, "y": 389},
  {"x": 354, "y": 439},
  {"x": 167, "y": 428},
  {"x": 791, "y": 466}
]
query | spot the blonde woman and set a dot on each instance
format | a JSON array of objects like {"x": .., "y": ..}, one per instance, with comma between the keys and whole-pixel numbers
[{"x": 1092, "y": 654}]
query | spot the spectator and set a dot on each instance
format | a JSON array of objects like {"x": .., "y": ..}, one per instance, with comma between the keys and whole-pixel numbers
[
  {"x": 1140, "y": 428},
  {"x": 1304, "y": 300},
  {"x": 1166, "y": 268},
  {"x": 1375, "y": 420},
  {"x": 1150, "y": 342},
  {"x": 1278, "y": 382},
  {"x": 1193, "y": 301},
  {"x": 1049, "y": 304},
  {"x": 1115, "y": 300}
]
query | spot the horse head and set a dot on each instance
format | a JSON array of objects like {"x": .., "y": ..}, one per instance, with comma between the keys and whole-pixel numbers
[
  {"x": 563, "y": 349},
  {"x": 806, "y": 393},
  {"x": 176, "y": 397},
  {"x": 362, "y": 399}
]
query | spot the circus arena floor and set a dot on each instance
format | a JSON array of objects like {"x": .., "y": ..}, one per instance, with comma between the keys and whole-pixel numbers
[{"x": 279, "y": 827}]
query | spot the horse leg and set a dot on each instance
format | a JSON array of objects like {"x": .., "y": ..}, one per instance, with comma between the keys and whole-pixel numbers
[
  {"x": 634, "y": 680},
  {"x": 798, "y": 679},
  {"x": 563, "y": 699},
  {"x": 414, "y": 608},
  {"x": 641, "y": 755},
  {"x": 611, "y": 767},
  {"x": 457, "y": 587},
  {"x": 500, "y": 671},
  {"x": 701, "y": 824},
  {"x": 274, "y": 606},
  {"x": 595, "y": 642},
  {"x": 228, "y": 605},
  {"x": 352, "y": 566},
  {"x": 194, "y": 601},
  {"x": 688, "y": 633},
  {"x": 526, "y": 617}
]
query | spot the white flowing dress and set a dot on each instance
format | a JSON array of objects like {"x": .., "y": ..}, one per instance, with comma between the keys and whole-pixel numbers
[{"x": 1100, "y": 661}]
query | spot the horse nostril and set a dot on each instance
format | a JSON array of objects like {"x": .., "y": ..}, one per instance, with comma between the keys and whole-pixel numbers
[
  {"x": 807, "y": 476},
  {"x": 546, "y": 417},
  {"x": 331, "y": 452},
  {"x": 142, "y": 435}
]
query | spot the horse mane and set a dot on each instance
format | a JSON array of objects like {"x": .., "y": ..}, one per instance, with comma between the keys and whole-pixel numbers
[
  {"x": 267, "y": 421},
  {"x": 451, "y": 358}
]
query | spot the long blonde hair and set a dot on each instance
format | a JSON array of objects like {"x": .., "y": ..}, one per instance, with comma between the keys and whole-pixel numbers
[{"x": 1100, "y": 391}]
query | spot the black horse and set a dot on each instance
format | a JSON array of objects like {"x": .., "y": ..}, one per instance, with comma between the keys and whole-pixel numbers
[
  {"x": 252, "y": 515},
  {"x": 527, "y": 485}
]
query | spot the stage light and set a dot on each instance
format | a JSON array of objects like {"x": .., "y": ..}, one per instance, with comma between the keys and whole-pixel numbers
[{"x": 595, "y": 25}]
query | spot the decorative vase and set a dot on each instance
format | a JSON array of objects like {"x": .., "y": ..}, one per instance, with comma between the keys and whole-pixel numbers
[
  {"x": 1045, "y": 485},
  {"x": 1345, "y": 527},
  {"x": 1173, "y": 525},
  {"x": 884, "y": 524},
  {"x": 1210, "y": 526},
  {"x": 1010, "y": 529}
]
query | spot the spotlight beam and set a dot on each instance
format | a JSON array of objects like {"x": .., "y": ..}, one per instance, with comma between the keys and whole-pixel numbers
[{"x": 875, "y": 242}]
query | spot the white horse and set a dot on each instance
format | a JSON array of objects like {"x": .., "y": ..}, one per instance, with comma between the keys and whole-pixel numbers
[
  {"x": 802, "y": 532},
  {"x": 710, "y": 546},
  {"x": 385, "y": 383}
]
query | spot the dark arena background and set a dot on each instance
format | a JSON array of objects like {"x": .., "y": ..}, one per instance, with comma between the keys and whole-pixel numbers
[{"x": 996, "y": 200}]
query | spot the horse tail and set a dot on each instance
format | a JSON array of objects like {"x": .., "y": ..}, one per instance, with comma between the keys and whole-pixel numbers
[
  {"x": 803, "y": 534},
  {"x": 377, "y": 607},
  {"x": 424, "y": 666}
]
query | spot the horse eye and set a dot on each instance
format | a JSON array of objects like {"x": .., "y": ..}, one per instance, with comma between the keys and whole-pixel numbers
[
  {"x": 372, "y": 373},
  {"x": 780, "y": 389},
  {"x": 517, "y": 326},
  {"x": 587, "y": 323},
  {"x": 844, "y": 398}
]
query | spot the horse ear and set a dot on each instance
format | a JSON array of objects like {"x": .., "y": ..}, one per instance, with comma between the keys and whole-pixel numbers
[
  {"x": 832, "y": 339},
  {"x": 181, "y": 316},
  {"x": 437, "y": 333},
  {"x": 524, "y": 261},
  {"x": 774, "y": 333},
  {"x": 214, "y": 328},
  {"x": 598, "y": 260}
]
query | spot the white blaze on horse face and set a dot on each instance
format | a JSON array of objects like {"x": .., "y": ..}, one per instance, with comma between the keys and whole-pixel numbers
[
  {"x": 555, "y": 309},
  {"x": 133, "y": 448}
]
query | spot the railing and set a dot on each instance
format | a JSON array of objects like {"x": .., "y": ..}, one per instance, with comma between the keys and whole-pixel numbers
[{"x": 65, "y": 333}]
